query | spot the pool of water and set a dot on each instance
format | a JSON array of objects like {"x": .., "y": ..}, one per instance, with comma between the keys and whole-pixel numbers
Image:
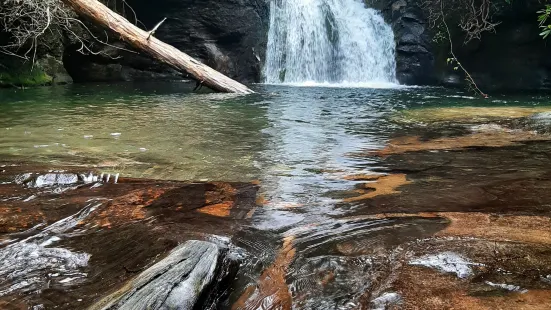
[
  {"x": 299, "y": 143},
  {"x": 284, "y": 136}
]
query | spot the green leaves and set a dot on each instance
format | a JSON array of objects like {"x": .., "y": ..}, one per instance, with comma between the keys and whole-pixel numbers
[
  {"x": 542, "y": 20},
  {"x": 452, "y": 61}
]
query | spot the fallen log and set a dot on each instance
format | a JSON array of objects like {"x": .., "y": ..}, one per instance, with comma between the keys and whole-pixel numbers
[
  {"x": 185, "y": 279},
  {"x": 144, "y": 42}
]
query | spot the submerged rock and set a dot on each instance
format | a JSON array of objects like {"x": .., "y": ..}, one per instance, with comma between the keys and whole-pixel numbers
[
  {"x": 447, "y": 262},
  {"x": 539, "y": 122},
  {"x": 176, "y": 282},
  {"x": 467, "y": 115}
]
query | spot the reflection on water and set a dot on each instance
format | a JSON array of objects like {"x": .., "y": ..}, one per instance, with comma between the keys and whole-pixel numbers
[
  {"x": 164, "y": 131},
  {"x": 291, "y": 138}
]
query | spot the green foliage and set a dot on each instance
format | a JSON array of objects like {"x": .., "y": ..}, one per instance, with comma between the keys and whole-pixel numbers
[
  {"x": 542, "y": 20},
  {"x": 453, "y": 61},
  {"x": 440, "y": 34}
]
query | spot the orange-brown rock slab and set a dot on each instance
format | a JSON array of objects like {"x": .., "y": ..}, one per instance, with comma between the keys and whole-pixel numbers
[
  {"x": 13, "y": 219},
  {"x": 425, "y": 289},
  {"x": 527, "y": 229},
  {"x": 220, "y": 209},
  {"x": 126, "y": 208},
  {"x": 407, "y": 144},
  {"x": 489, "y": 226},
  {"x": 383, "y": 185},
  {"x": 271, "y": 290},
  {"x": 362, "y": 177}
]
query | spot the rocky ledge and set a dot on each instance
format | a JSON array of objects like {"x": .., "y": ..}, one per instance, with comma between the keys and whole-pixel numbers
[{"x": 70, "y": 237}]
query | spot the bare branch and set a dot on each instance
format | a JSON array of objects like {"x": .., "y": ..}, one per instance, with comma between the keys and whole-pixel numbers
[
  {"x": 152, "y": 32},
  {"x": 476, "y": 16},
  {"x": 26, "y": 21},
  {"x": 471, "y": 82}
]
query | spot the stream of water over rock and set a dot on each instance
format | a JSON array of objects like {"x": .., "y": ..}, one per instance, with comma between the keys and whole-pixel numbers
[{"x": 328, "y": 41}]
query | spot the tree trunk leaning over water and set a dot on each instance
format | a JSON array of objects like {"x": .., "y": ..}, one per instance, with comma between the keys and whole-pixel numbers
[{"x": 144, "y": 42}]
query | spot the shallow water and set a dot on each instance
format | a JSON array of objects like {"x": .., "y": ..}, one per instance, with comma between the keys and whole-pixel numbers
[
  {"x": 290, "y": 138},
  {"x": 301, "y": 143},
  {"x": 164, "y": 131}
]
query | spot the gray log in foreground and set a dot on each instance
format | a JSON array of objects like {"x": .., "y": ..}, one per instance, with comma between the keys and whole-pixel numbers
[{"x": 175, "y": 282}]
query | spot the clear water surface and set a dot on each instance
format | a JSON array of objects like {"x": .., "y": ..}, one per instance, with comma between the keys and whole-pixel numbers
[{"x": 295, "y": 140}]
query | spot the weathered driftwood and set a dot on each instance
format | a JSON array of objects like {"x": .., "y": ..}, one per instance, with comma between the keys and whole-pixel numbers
[
  {"x": 142, "y": 41},
  {"x": 175, "y": 282}
]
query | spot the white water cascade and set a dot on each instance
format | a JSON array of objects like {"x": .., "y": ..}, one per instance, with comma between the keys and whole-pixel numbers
[{"x": 328, "y": 42}]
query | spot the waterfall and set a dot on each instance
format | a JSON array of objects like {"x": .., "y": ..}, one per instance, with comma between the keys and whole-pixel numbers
[{"x": 328, "y": 41}]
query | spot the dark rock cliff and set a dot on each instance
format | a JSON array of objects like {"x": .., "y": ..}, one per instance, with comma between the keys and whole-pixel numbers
[
  {"x": 229, "y": 36},
  {"x": 414, "y": 54},
  {"x": 514, "y": 57}
]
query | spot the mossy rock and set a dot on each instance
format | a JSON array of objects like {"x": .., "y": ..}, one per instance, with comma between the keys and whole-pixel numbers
[
  {"x": 47, "y": 70},
  {"x": 465, "y": 115},
  {"x": 23, "y": 75}
]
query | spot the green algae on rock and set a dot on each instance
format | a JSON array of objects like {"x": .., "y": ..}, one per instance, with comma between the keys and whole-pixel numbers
[
  {"x": 465, "y": 114},
  {"x": 25, "y": 76}
]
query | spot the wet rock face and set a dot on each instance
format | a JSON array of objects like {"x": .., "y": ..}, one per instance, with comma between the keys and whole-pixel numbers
[
  {"x": 414, "y": 52},
  {"x": 68, "y": 238},
  {"x": 114, "y": 64},
  {"x": 47, "y": 67},
  {"x": 229, "y": 35},
  {"x": 54, "y": 67},
  {"x": 414, "y": 55}
]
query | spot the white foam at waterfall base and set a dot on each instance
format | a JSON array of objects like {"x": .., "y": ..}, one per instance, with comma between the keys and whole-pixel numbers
[
  {"x": 377, "y": 85},
  {"x": 329, "y": 42}
]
